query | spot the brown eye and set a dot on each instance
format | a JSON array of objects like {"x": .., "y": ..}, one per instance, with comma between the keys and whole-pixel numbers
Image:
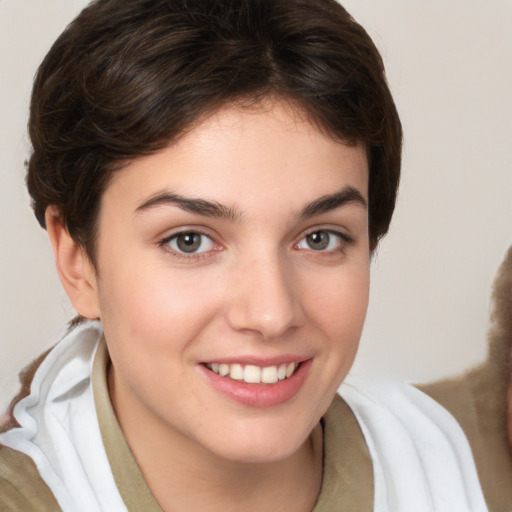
[{"x": 190, "y": 242}]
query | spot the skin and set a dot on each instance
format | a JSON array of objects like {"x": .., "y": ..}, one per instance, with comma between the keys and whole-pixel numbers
[{"x": 255, "y": 288}]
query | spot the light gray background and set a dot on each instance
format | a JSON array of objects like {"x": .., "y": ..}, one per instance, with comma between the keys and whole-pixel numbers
[{"x": 449, "y": 66}]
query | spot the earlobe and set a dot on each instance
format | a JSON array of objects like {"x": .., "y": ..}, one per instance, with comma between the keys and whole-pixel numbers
[{"x": 74, "y": 267}]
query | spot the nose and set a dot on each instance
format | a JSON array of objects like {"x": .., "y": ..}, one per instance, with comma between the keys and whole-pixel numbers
[{"x": 265, "y": 299}]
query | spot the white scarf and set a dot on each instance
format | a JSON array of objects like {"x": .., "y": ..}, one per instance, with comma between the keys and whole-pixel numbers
[
  {"x": 421, "y": 458},
  {"x": 59, "y": 428}
]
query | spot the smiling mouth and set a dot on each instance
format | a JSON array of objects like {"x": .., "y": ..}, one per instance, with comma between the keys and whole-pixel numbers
[{"x": 252, "y": 374}]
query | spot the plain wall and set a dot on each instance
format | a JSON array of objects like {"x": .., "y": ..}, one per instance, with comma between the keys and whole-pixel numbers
[{"x": 449, "y": 67}]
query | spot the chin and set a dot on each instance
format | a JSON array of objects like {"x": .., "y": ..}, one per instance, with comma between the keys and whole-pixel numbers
[
  {"x": 258, "y": 454},
  {"x": 263, "y": 445}
]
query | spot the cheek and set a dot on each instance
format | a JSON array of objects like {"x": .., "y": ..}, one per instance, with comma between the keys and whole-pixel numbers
[
  {"x": 155, "y": 306},
  {"x": 341, "y": 301},
  {"x": 340, "y": 313},
  {"x": 338, "y": 308},
  {"x": 151, "y": 321}
]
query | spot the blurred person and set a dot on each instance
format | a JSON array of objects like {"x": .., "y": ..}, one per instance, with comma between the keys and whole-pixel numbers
[{"x": 481, "y": 402}]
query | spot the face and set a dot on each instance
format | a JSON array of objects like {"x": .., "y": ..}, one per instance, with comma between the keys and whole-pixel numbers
[{"x": 232, "y": 281}]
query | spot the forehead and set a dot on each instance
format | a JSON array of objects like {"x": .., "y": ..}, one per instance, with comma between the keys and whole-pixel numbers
[{"x": 242, "y": 156}]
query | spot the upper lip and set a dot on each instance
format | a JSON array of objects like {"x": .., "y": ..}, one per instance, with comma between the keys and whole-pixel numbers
[{"x": 258, "y": 360}]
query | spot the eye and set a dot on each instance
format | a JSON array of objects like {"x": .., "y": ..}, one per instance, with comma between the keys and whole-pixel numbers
[
  {"x": 189, "y": 242},
  {"x": 323, "y": 240}
]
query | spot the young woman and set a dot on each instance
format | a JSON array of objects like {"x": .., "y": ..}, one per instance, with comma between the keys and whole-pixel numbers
[{"x": 214, "y": 177}]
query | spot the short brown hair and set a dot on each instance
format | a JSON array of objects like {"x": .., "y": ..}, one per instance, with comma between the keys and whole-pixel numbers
[{"x": 128, "y": 77}]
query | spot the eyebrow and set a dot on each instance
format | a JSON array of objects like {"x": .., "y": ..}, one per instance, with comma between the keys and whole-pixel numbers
[
  {"x": 198, "y": 206},
  {"x": 324, "y": 204},
  {"x": 348, "y": 195}
]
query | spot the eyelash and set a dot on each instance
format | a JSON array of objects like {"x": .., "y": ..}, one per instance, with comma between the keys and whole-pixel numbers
[{"x": 344, "y": 241}]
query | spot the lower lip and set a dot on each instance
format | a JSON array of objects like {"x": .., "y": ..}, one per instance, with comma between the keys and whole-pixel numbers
[{"x": 259, "y": 395}]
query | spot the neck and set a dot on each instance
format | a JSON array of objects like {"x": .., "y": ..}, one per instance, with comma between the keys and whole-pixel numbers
[{"x": 172, "y": 463}]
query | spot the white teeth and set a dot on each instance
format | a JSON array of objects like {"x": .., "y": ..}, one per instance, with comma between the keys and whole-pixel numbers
[
  {"x": 254, "y": 374},
  {"x": 236, "y": 372},
  {"x": 269, "y": 375}
]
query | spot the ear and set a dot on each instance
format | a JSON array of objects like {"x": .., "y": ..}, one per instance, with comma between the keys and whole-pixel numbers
[{"x": 74, "y": 267}]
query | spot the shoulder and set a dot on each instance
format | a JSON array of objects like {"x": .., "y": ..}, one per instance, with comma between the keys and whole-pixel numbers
[
  {"x": 416, "y": 447},
  {"x": 28, "y": 459},
  {"x": 387, "y": 409},
  {"x": 21, "y": 487}
]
